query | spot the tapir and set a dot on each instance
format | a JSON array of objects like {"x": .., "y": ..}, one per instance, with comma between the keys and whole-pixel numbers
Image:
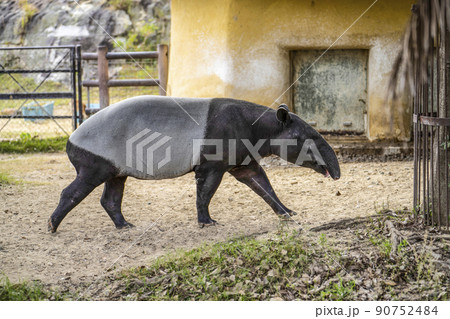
[{"x": 155, "y": 137}]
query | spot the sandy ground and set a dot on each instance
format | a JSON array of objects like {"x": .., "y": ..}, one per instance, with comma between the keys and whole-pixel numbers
[{"x": 163, "y": 212}]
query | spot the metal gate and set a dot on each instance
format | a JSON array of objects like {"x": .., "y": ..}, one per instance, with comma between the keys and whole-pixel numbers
[
  {"x": 431, "y": 120},
  {"x": 40, "y": 91}
]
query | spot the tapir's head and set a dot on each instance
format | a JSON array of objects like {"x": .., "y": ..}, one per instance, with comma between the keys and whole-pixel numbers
[{"x": 311, "y": 150}]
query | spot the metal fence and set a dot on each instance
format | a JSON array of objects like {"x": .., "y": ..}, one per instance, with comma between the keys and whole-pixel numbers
[
  {"x": 431, "y": 120},
  {"x": 40, "y": 91}
]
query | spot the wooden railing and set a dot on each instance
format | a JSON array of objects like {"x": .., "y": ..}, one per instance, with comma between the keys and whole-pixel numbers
[{"x": 104, "y": 83}]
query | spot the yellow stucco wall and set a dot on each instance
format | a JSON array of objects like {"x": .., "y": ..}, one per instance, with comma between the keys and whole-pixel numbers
[{"x": 240, "y": 49}]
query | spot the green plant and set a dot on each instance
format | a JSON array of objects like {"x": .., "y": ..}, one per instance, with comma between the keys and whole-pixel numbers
[
  {"x": 423, "y": 261},
  {"x": 139, "y": 39},
  {"x": 25, "y": 291},
  {"x": 323, "y": 239},
  {"x": 124, "y": 5},
  {"x": 402, "y": 246},
  {"x": 386, "y": 247},
  {"x": 32, "y": 144},
  {"x": 383, "y": 208},
  {"x": 29, "y": 11},
  {"x": 339, "y": 291}
]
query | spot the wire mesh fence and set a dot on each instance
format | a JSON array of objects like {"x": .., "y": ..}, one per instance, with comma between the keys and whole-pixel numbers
[{"x": 38, "y": 91}]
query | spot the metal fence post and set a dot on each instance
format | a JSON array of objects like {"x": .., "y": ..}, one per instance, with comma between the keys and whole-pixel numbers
[
  {"x": 73, "y": 58},
  {"x": 79, "y": 86},
  {"x": 103, "y": 76}
]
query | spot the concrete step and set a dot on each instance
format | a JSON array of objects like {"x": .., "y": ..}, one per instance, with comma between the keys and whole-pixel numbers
[{"x": 359, "y": 148}]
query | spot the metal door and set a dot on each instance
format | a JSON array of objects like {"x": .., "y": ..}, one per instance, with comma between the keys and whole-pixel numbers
[{"x": 331, "y": 93}]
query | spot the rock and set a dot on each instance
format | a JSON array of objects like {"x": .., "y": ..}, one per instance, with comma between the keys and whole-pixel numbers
[
  {"x": 390, "y": 283},
  {"x": 276, "y": 299},
  {"x": 63, "y": 22},
  {"x": 122, "y": 23},
  {"x": 305, "y": 278}
]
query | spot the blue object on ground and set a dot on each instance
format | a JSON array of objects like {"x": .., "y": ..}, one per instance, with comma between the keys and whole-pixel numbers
[{"x": 33, "y": 109}]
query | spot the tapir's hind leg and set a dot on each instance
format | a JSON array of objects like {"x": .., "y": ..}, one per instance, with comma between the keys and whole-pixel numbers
[
  {"x": 92, "y": 171},
  {"x": 254, "y": 177},
  {"x": 112, "y": 200},
  {"x": 71, "y": 196}
]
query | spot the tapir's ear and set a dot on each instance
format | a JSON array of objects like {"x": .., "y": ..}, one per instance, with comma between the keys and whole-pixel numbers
[{"x": 283, "y": 113}]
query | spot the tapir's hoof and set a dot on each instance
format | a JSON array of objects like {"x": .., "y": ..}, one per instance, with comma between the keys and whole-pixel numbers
[
  {"x": 292, "y": 213},
  {"x": 212, "y": 222},
  {"x": 50, "y": 226},
  {"x": 285, "y": 217},
  {"x": 125, "y": 226}
]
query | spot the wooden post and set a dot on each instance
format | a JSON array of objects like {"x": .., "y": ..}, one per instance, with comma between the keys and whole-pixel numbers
[
  {"x": 441, "y": 189},
  {"x": 163, "y": 66},
  {"x": 103, "y": 76}
]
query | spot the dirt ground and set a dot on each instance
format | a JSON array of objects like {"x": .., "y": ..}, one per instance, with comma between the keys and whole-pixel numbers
[{"x": 164, "y": 214}]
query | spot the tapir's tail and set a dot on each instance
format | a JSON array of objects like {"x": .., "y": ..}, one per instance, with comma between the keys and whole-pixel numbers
[{"x": 93, "y": 163}]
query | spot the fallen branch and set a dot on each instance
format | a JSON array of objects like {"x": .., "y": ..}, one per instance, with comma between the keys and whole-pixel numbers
[
  {"x": 343, "y": 223},
  {"x": 417, "y": 238},
  {"x": 348, "y": 222},
  {"x": 395, "y": 236}
]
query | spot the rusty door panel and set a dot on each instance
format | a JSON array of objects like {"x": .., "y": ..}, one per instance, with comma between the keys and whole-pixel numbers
[{"x": 332, "y": 94}]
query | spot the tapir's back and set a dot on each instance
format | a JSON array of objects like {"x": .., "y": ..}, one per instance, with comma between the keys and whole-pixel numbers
[{"x": 147, "y": 137}]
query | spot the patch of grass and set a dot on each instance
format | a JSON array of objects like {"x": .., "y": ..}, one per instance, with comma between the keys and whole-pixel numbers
[
  {"x": 411, "y": 263},
  {"x": 5, "y": 179},
  {"x": 242, "y": 269},
  {"x": 28, "y": 82},
  {"x": 33, "y": 144},
  {"x": 25, "y": 291},
  {"x": 339, "y": 291},
  {"x": 338, "y": 264}
]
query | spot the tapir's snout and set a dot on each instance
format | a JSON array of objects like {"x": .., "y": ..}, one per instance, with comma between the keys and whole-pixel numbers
[
  {"x": 331, "y": 162},
  {"x": 334, "y": 171},
  {"x": 327, "y": 174},
  {"x": 335, "y": 177},
  {"x": 332, "y": 168}
]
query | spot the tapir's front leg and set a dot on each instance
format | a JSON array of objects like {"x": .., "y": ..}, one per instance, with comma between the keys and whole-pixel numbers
[
  {"x": 254, "y": 177},
  {"x": 208, "y": 180}
]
